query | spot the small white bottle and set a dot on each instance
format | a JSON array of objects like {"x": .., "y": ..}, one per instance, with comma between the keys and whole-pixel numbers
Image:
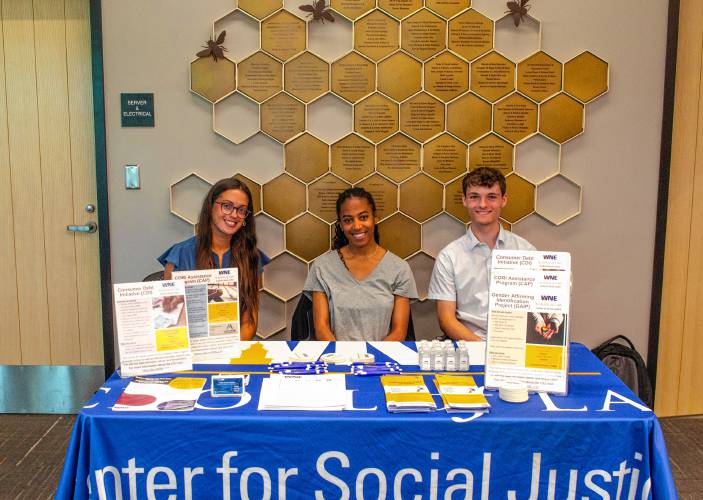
[
  {"x": 425, "y": 356},
  {"x": 463, "y": 356},
  {"x": 450, "y": 361},
  {"x": 437, "y": 358}
]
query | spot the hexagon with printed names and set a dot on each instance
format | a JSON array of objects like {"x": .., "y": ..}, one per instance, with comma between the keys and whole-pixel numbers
[
  {"x": 376, "y": 117},
  {"x": 353, "y": 77},
  {"x": 539, "y": 76},
  {"x": 384, "y": 192},
  {"x": 354, "y": 9},
  {"x": 470, "y": 34},
  {"x": 422, "y": 116},
  {"x": 283, "y": 35},
  {"x": 515, "y": 117},
  {"x": 423, "y": 34},
  {"x": 353, "y": 158},
  {"x": 400, "y": 9},
  {"x": 492, "y": 76},
  {"x": 444, "y": 158},
  {"x": 306, "y": 77},
  {"x": 260, "y": 76},
  {"x": 398, "y": 157},
  {"x": 376, "y": 35},
  {"x": 322, "y": 196},
  {"x": 282, "y": 117},
  {"x": 446, "y": 76}
]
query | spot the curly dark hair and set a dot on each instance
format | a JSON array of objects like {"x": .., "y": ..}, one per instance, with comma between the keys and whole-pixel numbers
[
  {"x": 244, "y": 254},
  {"x": 485, "y": 177},
  {"x": 356, "y": 192}
]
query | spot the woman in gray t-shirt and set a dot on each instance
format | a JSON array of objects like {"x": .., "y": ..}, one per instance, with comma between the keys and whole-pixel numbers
[{"x": 360, "y": 291}]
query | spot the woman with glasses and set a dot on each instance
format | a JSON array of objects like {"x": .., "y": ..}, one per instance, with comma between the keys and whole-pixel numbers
[{"x": 225, "y": 236}]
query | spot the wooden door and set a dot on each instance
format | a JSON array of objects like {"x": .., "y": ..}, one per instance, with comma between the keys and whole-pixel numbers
[{"x": 50, "y": 284}]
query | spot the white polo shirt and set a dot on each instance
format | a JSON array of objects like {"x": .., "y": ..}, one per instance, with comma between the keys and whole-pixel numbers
[{"x": 462, "y": 272}]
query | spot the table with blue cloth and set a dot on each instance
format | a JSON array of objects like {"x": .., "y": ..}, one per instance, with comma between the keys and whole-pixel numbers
[{"x": 600, "y": 441}]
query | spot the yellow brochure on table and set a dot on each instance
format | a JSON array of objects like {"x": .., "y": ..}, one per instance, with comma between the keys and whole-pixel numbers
[
  {"x": 407, "y": 393},
  {"x": 460, "y": 393}
]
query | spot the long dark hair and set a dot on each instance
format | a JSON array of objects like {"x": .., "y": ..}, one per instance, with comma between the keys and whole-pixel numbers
[
  {"x": 356, "y": 192},
  {"x": 243, "y": 250}
]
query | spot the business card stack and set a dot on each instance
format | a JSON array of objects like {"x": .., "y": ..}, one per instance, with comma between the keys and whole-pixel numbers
[
  {"x": 407, "y": 393},
  {"x": 460, "y": 393}
]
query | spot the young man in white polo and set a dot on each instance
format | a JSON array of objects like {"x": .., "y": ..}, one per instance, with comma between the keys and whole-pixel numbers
[{"x": 461, "y": 272}]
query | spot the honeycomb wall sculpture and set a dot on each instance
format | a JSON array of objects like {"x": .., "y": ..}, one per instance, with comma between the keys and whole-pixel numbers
[{"x": 401, "y": 98}]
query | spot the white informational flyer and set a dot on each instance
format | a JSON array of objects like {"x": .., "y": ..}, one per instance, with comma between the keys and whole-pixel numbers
[
  {"x": 528, "y": 320},
  {"x": 212, "y": 296},
  {"x": 324, "y": 392},
  {"x": 152, "y": 327},
  {"x": 160, "y": 394}
]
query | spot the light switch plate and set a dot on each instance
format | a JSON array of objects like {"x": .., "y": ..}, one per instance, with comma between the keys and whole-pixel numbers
[{"x": 131, "y": 177}]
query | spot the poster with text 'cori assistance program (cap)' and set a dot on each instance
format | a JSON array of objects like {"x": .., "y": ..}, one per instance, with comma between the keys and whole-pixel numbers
[
  {"x": 212, "y": 296},
  {"x": 528, "y": 320}
]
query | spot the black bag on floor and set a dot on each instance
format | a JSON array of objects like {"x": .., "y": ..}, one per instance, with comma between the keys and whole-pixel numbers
[{"x": 627, "y": 364}]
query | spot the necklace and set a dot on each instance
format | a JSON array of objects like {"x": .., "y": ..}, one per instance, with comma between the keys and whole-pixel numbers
[{"x": 341, "y": 256}]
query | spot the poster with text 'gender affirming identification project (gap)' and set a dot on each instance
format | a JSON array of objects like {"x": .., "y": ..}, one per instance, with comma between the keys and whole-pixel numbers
[{"x": 528, "y": 320}]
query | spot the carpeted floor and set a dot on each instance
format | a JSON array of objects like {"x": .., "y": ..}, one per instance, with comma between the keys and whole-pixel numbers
[{"x": 32, "y": 449}]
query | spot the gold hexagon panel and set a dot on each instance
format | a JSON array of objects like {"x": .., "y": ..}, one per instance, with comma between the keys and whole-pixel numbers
[
  {"x": 306, "y": 157},
  {"x": 521, "y": 198},
  {"x": 260, "y": 76},
  {"x": 470, "y": 35},
  {"x": 469, "y": 117},
  {"x": 353, "y": 158},
  {"x": 398, "y": 157},
  {"x": 212, "y": 80},
  {"x": 353, "y": 77},
  {"x": 422, "y": 117},
  {"x": 561, "y": 118},
  {"x": 322, "y": 196},
  {"x": 376, "y": 35},
  {"x": 400, "y": 235},
  {"x": 307, "y": 77},
  {"x": 446, "y": 76},
  {"x": 399, "y": 76},
  {"x": 376, "y": 117},
  {"x": 282, "y": 117},
  {"x": 384, "y": 192},
  {"x": 283, "y": 35},
  {"x": 586, "y": 77},
  {"x": 284, "y": 197},
  {"x": 424, "y": 34},
  {"x": 307, "y": 237},
  {"x": 444, "y": 158},
  {"x": 515, "y": 117},
  {"x": 492, "y": 76},
  {"x": 421, "y": 197}
]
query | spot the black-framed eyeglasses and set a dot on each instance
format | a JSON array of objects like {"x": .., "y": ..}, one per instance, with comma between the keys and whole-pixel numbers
[{"x": 227, "y": 208}]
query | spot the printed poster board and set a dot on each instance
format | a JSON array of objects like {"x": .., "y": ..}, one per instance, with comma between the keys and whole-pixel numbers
[{"x": 528, "y": 320}]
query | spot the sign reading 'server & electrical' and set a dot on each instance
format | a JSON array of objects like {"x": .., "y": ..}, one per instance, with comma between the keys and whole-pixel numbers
[{"x": 137, "y": 110}]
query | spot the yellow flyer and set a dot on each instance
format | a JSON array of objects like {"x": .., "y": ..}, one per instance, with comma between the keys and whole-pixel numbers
[{"x": 460, "y": 393}]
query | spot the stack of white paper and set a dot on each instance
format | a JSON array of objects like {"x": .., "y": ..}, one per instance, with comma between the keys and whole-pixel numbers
[{"x": 326, "y": 392}]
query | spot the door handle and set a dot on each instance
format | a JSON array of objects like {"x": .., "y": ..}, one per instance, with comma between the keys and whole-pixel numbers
[{"x": 89, "y": 227}]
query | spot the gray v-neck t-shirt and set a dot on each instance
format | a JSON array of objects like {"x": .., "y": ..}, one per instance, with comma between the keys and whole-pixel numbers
[{"x": 361, "y": 310}]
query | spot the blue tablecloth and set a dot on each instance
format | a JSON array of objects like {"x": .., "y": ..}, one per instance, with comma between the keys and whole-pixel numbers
[{"x": 599, "y": 442}]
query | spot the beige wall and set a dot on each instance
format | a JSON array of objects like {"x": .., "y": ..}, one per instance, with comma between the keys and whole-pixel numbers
[
  {"x": 50, "y": 291},
  {"x": 679, "y": 385},
  {"x": 149, "y": 46}
]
